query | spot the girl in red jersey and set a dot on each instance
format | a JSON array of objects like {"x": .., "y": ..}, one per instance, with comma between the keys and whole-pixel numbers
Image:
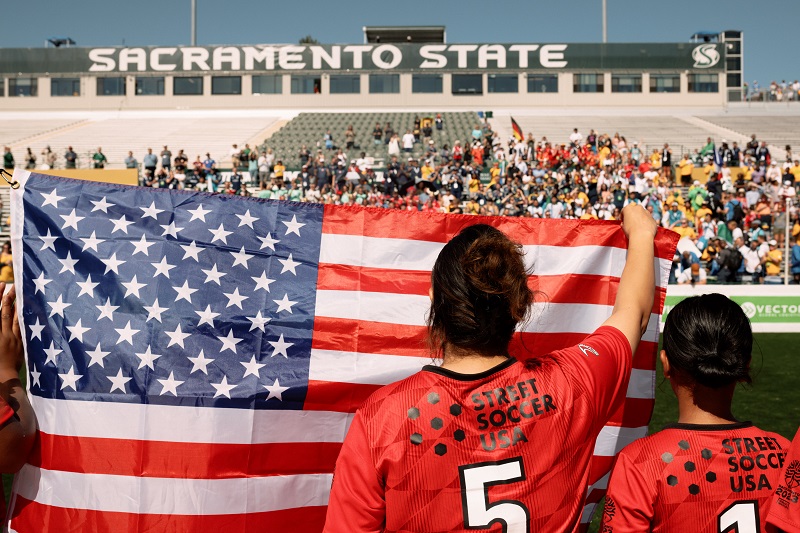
[
  {"x": 709, "y": 473},
  {"x": 784, "y": 510},
  {"x": 483, "y": 440}
]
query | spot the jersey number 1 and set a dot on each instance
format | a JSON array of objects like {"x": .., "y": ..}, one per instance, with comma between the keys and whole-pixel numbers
[
  {"x": 741, "y": 517},
  {"x": 476, "y": 479}
]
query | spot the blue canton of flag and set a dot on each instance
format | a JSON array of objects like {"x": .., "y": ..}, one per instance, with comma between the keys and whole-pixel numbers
[{"x": 168, "y": 297}]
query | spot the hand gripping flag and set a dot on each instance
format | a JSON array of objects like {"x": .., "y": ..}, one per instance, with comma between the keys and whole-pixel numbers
[{"x": 194, "y": 360}]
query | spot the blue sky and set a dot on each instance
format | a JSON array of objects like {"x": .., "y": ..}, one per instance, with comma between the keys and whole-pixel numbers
[{"x": 772, "y": 49}]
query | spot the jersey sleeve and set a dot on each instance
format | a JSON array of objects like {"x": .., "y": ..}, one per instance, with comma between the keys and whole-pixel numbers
[
  {"x": 600, "y": 366},
  {"x": 6, "y": 412},
  {"x": 357, "y": 500},
  {"x": 630, "y": 499},
  {"x": 784, "y": 508}
]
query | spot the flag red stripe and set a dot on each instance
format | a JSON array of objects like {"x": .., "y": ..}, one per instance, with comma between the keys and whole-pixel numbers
[
  {"x": 337, "y": 396},
  {"x": 182, "y": 460},
  {"x": 32, "y": 516}
]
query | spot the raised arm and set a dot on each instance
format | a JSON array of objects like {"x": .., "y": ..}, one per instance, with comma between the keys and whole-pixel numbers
[{"x": 637, "y": 283}]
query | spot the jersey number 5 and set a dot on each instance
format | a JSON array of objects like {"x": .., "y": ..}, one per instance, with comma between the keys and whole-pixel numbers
[
  {"x": 741, "y": 517},
  {"x": 476, "y": 479}
]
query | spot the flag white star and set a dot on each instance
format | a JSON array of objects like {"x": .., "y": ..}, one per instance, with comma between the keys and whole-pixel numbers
[
  {"x": 51, "y": 353},
  {"x": 207, "y": 316},
  {"x": 262, "y": 281},
  {"x": 71, "y": 220},
  {"x": 147, "y": 359},
  {"x": 151, "y": 211},
  {"x": 41, "y": 282},
  {"x": 199, "y": 213},
  {"x": 70, "y": 379},
  {"x": 52, "y": 198},
  {"x": 223, "y": 388},
  {"x": 241, "y": 257},
  {"x": 154, "y": 311},
  {"x": 220, "y": 234},
  {"x": 280, "y": 347},
  {"x": 229, "y": 342},
  {"x": 200, "y": 363},
  {"x": 120, "y": 224},
  {"x": 101, "y": 205},
  {"x": 268, "y": 242},
  {"x": 213, "y": 275},
  {"x": 35, "y": 374},
  {"x": 98, "y": 356},
  {"x": 177, "y": 337},
  {"x": 107, "y": 310},
  {"x": 258, "y": 321},
  {"x": 191, "y": 250},
  {"x": 77, "y": 331},
  {"x": 118, "y": 382},
  {"x": 293, "y": 226},
  {"x": 252, "y": 368},
  {"x": 142, "y": 246},
  {"x": 247, "y": 219},
  {"x": 49, "y": 241},
  {"x": 90, "y": 243},
  {"x": 36, "y": 330},
  {"x": 171, "y": 230},
  {"x": 57, "y": 307},
  {"x": 133, "y": 287},
  {"x": 126, "y": 334},
  {"x": 170, "y": 385},
  {"x": 234, "y": 298},
  {"x": 284, "y": 304},
  {"x": 87, "y": 287},
  {"x": 289, "y": 265},
  {"x": 184, "y": 292},
  {"x": 68, "y": 264},
  {"x": 113, "y": 264},
  {"x": 275, "y": 390},
  {"x": 163, "y": 267}
]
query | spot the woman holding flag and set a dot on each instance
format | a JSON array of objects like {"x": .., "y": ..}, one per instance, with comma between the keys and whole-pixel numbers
[{"x": 484, "y": 439}]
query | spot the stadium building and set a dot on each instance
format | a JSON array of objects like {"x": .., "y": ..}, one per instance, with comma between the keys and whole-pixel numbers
[{"x": 405, "y": 68}]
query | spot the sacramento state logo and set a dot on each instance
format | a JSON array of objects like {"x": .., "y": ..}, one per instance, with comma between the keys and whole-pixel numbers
[{"x": 705, "y": 56}]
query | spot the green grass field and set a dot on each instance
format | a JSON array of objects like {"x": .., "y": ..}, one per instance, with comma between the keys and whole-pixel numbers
[{"x": 772, "y": 402}]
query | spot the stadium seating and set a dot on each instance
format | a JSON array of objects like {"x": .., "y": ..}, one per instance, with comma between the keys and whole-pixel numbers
[{"x": 775, "y": 130}]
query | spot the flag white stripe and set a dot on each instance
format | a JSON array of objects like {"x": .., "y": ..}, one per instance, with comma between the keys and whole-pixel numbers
[
  {"x": 169, "y": 423},
  {"x": 147, "y": 495},
  {"x": 407, "y": 254},
  {"x": 642, "y": 384},
  {"x": 613, "y": 438}
]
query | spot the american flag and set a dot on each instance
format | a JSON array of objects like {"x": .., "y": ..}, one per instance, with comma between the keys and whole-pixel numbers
[{"x": 194, "y": 360}]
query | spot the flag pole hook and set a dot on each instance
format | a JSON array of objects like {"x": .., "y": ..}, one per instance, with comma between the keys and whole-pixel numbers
[{"x": 13, "y": 183}]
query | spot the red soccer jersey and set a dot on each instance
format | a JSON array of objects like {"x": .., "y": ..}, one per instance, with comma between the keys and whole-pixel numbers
[
  {"x": 442, "y": 451},
  {"x": 784, "y": 509},
  {"x": 698, "y": 478}
]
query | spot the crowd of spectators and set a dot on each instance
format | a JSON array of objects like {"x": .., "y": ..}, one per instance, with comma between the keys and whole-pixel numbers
[
  {"x": 727, "y": 202},
  {"x": 774, "y": 92}
]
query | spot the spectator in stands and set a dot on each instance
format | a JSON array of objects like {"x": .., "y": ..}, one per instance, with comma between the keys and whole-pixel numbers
[
  {"x": 693, "y": 275},
  {"x": 235, "y": 154},
  {"x": 751, "y": 259},
  {"x": 279, "y": 170},
  {"x": 408, "y": 142},
  {"x": 377, "y": 134},
  {"x": 166, "y": 159},
  {"x": 30, "y": 160},
  {"x": 795, "y": 266},
  {"x": 772, "y": 260},
  {"x": 130, "y": 161},
  {"x": 350, "y": 137},
  {"x": 181, "y": 162},
  {"x": 99, "y": 158},
  {"x": 729, "y": 259},
  {"x": 48, "y": 157},
  {"x": 327, "y": 138},
  {"x": 666, "y": 162},
  {"x": 8, "y": 159},
  {"x": 150, "y": 162}
]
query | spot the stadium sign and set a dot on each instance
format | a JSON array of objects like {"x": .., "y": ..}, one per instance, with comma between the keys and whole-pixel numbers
[{"x": 361, "y": 57}]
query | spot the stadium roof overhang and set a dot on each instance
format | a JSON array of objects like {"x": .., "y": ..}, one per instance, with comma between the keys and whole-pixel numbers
[{"x": 404, "y": 34}]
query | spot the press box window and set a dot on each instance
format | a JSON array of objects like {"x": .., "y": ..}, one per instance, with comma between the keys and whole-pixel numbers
[
  {"x": 149, "y": 86},
  {"x": 110, "y": 86},
  {"x": 703, "y": 83},
  {"x": 384, "y": 83},
  {"x": 65, "y": 87},
  {"x": 631, "y": 83},
  {"x": 426, "y": 83},
  {"x": 226, "y": 85},
  {"x": 665, "y": 83},
  {"x": 268, "y": 84},
  {"x": 467, "y": 83},
  {"x": 542, "y": 84},
  {"x": 23, "y": 87},
  {"x": 588, "y": 83},
  {"x": 345, "y": 84},
  {"x": 187, "y": 86},
  {"x": 306, "y": 85},
  {"x": 503, "y": 83}
]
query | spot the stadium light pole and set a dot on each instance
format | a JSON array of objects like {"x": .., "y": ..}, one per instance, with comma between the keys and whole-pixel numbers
[
  {"x": 194, "y": 22},
  {"x": 605, "y": 21}
]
